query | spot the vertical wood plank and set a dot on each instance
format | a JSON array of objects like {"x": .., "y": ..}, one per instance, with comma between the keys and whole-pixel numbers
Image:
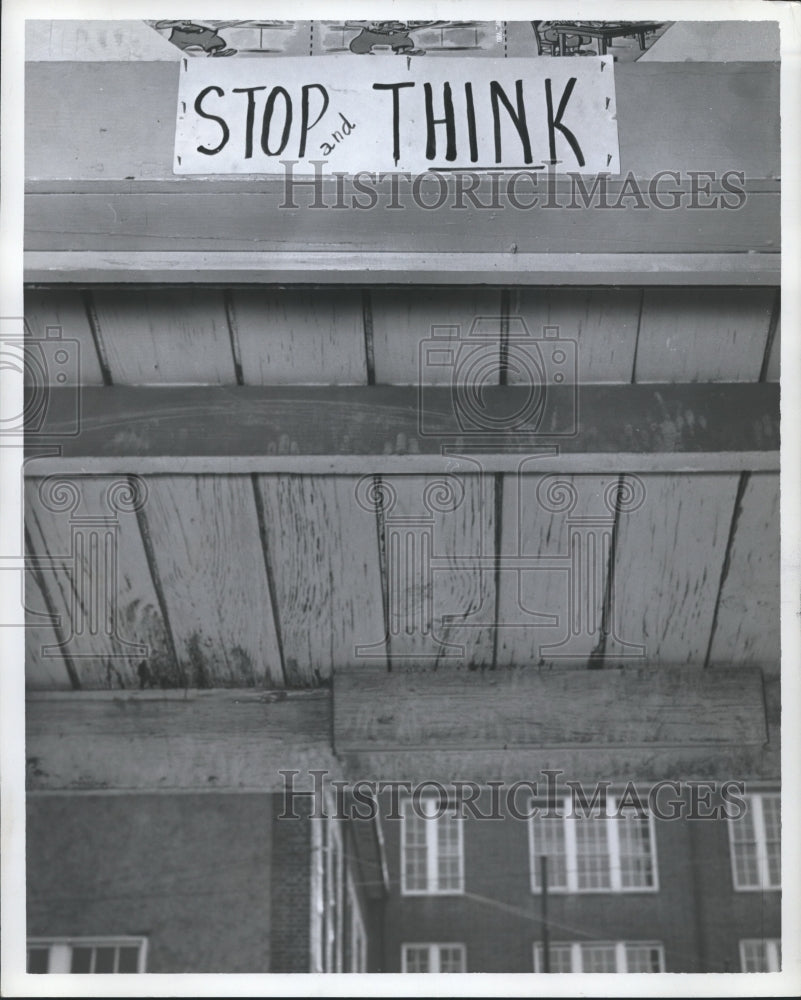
[
  {"x": 205, "y": 539},
  {"x": 703, "y": 334},
  {"x": 323, "y": 549},
  {"x": 668, "y": 564},
  {"x": 441, "y": 603},
  {"x": 403, "y": 321},
  {"x": 165, "y": 335},
  {"x": 43, "y": 671},
  {"x": 101, "y": 588},
  {"x": 773, "y": 372},
  {"x": 64, "y": 308},
  {"x": 541, "y": 526},
  {"x": 601, "y": 322},
  {"x": 747, "y": 629},
  {"x": 300, "y": 336}
]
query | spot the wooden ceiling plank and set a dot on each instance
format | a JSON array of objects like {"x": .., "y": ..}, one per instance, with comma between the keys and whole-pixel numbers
[
  {"x": 204, "y": 534},
  {"x": 304, "y": 337},
  {"x": 402, "y": 324},
  {"x": 601, "y": 323},
  {"x": 541, "y": 527},
  {"x": 668, "y": 562},
  {"x": 322, "y": 545},
  {"x": 440, "y": 598},
  {"x": 160, "y": 336},
  {"x": 95, "y": 570},
  {"x": 747, "y": 627},
  {"x": 772, "y": 373},
  {"x": 45, "y": 668},
  {"x": 703, "y": 335},
  {"x": 63, "y": 309}
]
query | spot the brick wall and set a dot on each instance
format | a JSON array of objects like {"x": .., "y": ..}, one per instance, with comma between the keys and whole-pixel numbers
[
  {"x": 696, "y": 913},
  {"x": 191, "y": 872}
]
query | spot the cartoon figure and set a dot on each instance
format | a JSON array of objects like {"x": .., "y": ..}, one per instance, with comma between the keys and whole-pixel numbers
[
  {"x": 188, "y": 35},
  {"x": 394, "y": 34}
]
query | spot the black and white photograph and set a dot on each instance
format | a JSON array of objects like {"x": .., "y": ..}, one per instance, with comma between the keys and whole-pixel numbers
[{"x": 400, "y": 500}]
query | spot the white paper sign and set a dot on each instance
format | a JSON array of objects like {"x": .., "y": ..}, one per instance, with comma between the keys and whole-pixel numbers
[{"x": 391, "y": 113}]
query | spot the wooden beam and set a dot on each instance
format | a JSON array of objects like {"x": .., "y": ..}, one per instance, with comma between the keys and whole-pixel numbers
[
  {"x": 83, "y": 136},
  {"x": 239, "y": 740},
  {"x": 101, "y": 189},
  {"x": 352, "y": 429},
  {"x": 201, "y": 740},
  {"x": 447, "y": 709},
  {"x": 391, "y": 267}
]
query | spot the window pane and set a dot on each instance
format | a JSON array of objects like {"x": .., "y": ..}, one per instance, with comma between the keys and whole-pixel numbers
[
  {"x": 560, "y": 956},
  {"x": 598, "y": 958},
  {"x": 643, "y": 958},
  {"x": 451, "y": 959},
  {"x": 104, "y": 959},
  {"x": 772, "y": 819},
  {"x": 448, "y": 853},
  {"x": 37, "y": 959},
  {"x": 592, "y": 853},
  {"x": 636, "y": 864},
  {"x": 81, "y": 960},
  {"x": 415, "y": 852},
  {"x": 754, "y": 956},
  {"x": 128, "y": 960},
  {"x": 548, "y": 839},
  {"x": 416, "y": 959}
]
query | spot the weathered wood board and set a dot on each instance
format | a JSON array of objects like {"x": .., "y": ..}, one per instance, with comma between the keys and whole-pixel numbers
[
  {"x": 42, "y": 672},
  {"x": 97, "y": 577},
  {"x": 440, "y": 598},
  {"x": 553, "y": 612},
  {"x": 301, "y": 337},
  {"x": 162, "y": 336},
  {"x": 64, "y": 309},
  {"x": 187, "y": 740},
  {"x": 703, "y": 335},
  {"x": 496, "y": 710},
  {"x": 205, "y": 541},
  {"x": 747, "y": 626},
  {"x": 668, "y": 564},
  {"x": 602, "y": 323},
  {"x": 405, "y": 321},
  {"x": 322, "y": 547},
  {"x": 227, "y": 423}
]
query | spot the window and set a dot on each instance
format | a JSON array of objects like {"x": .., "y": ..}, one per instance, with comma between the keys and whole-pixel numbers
[
  {"x": 601, "y": 956},
  {"x": 755, "y": 841},
  {"x": 432, "y": 851},
  {"x": 761, "y": 955},
  {"x": 433, "y": 958},
  {"x": 92, "y": 955},
  {"x": 357, "y": 934},
  {"x": 595, "y": 853},
  {"x": 327, "y": 896}
]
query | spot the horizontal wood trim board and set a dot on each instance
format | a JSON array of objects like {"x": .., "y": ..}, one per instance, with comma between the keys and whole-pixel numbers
[
  {"x": 181, "y": 739},
  {"x": 247, "y": 222},
  {"x": 387, "y": 267},
  {"x": 445, "y": 708},
  {"x": 281, "y": 425},
  {"x": 84, "y": 136}
]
